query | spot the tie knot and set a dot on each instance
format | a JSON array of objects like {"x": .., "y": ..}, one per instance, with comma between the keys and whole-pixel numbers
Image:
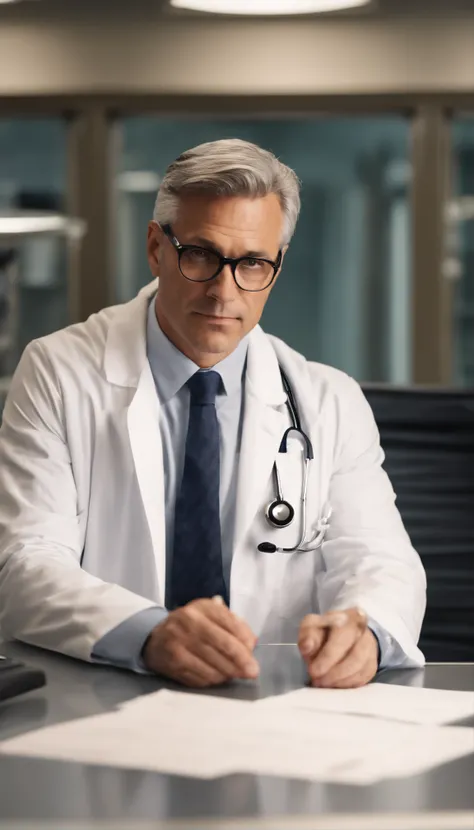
[{"x": 204, "y": 387}]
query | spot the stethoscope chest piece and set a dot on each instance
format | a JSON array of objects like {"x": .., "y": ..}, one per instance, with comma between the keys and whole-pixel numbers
[{"x": 280, "y": 513}]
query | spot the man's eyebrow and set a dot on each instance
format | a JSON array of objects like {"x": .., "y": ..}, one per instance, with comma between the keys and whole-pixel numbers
[{"x": 203, "y": 242}]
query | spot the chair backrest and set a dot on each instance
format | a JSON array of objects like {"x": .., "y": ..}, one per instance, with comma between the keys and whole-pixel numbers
[{"x": 428, "y": 439}]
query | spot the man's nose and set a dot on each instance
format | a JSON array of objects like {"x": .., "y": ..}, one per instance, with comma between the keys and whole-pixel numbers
[{"x": 223, "y": 287}]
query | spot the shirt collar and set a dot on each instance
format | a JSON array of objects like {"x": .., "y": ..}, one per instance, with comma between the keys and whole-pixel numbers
[{"x": 172, "y": 369}]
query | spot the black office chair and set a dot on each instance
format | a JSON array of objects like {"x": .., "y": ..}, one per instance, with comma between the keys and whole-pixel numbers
[{"x": 428, "y": 438}]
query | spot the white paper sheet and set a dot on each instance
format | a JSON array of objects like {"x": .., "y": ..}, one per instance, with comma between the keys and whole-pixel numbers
[
  {"x": 205, "y": 737},
  {"x": 409, "y": 704}
]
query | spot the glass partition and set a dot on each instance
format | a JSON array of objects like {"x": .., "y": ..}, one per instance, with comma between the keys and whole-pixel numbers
[
  {"x": 344, "y": 294},
  {"x": 459, "y": 265},
  {"x": 33, "y": 272}
]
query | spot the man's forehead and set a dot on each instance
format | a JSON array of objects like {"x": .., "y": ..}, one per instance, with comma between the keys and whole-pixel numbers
[{"x": 237, "y": 216}]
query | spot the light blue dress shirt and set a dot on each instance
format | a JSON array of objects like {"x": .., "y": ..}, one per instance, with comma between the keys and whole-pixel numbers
[{"x": 171, "y": 370}]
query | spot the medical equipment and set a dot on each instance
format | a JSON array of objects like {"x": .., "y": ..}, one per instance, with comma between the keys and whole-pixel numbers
[{"x": 280, "y": 513}]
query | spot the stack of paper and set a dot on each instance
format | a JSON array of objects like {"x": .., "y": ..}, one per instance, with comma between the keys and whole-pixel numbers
[
  {"x": 204, "y": 736},
  {"x": 383, "y": 700}
]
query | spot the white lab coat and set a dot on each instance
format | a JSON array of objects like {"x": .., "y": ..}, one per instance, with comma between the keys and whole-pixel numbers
[{"x": 81, "y": 475}]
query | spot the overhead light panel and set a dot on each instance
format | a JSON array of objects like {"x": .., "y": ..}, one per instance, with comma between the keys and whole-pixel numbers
[{"x": 254, "y": 7}]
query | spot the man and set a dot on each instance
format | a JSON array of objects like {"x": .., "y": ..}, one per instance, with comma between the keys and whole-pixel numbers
[{"x": 140, "y": 452}]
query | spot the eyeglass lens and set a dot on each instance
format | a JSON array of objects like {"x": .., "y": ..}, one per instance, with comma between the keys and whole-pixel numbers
[{"x": 199, "y": 264}]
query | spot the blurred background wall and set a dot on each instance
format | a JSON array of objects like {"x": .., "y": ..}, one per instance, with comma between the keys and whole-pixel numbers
[
  {"x": 374, "y": 109},
  {"x": 51, "y": 46}
]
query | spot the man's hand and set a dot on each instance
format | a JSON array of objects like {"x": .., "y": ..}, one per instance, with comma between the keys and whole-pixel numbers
[
  {"x": 338, "y": 648},
  {"x": 202, "y": 644}
]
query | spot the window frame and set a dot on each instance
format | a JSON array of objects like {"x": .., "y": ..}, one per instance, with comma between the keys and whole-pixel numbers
[{"x": 94, "y": 143}]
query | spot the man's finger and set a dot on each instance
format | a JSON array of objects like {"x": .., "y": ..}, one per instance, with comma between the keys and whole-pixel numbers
[
  {"x": 213, "y": 658},
  {"x": 226, "y": 653},
  {"x": 193, "y": 681},
  {"x": 357, "y": 657},
  {"x": 314, "y": 631},
  {"x": 310, "y": 644},
  {"x": 333, "y": 619},
  {"x": 218, "y": 611},
  {"x": 339, "y": 642},
  {"x": 192, "y": 668},
  {"x": 241, "y": 657},
  {"x": 209, "y": 636},
  {"x": 337, "y": 619},
  {"x": 360, "y": 678}
]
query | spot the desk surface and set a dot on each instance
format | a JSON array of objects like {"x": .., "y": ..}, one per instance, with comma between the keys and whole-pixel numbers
[{"x": 57, "y": 793}]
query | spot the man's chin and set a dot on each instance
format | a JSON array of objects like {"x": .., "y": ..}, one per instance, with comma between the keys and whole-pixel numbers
[
  {"x": 217, "y": 343},
  {"x": 217, "y": 336}
]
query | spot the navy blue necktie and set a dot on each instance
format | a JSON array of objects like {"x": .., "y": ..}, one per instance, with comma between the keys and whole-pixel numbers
[{"x": 196, "y": 569}]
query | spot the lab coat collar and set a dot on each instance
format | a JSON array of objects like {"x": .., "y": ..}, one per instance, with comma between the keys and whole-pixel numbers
[
  {"x": 263, "y": 379},
  {"x": 125, "y": 350},
  {"x": 264, "y": 423}
]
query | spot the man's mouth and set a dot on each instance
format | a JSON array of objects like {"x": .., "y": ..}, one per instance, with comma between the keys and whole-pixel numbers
[{"x": 218, "y": 318}]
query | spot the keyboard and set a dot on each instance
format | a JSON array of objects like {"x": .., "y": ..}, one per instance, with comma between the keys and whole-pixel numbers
[{"x": 16, "y": 678}]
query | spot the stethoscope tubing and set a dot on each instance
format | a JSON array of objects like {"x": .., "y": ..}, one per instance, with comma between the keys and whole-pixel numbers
[{"x": 302, "y": 545}]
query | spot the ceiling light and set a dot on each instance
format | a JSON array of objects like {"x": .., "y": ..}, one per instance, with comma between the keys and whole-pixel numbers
[{"x": 248, "y": 7}]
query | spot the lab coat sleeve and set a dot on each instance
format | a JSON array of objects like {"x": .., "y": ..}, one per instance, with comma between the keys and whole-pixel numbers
[
  {"x": 385, "y": 644},
  {"x": 368, "y": 559},
  {"x": 46, "y": 599},
  {"x": 123, "y": 645}
]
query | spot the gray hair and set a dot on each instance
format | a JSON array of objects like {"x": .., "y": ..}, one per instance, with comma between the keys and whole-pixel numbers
[{"x": 229, "y": 167}]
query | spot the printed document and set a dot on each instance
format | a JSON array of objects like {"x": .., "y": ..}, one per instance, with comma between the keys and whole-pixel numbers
[
  {"x": 203, "y": 736},
  {"x": 409, "y": 704}
]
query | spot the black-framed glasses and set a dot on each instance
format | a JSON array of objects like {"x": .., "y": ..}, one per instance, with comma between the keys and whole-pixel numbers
[{"x": 203, "y": 264}]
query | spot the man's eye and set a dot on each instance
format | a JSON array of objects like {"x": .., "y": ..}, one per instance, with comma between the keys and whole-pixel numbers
[
  {"x": 199, "y": 255},
  {"x": 252, "y": 264}
]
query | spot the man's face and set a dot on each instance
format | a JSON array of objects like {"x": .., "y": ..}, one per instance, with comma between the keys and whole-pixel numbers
[{"x": 206, "y": 320}]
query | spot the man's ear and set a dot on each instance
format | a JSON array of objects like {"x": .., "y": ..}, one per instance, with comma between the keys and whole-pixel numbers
[
  {"x": 154, "y": 243},
  {"x": 283, "y": 252}
]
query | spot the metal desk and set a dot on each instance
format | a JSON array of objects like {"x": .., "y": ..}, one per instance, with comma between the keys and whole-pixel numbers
[{"x": 59, "y": 793}]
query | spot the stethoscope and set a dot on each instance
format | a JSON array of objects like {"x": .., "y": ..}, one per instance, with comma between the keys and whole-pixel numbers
[{"x": 280, "y": 513}]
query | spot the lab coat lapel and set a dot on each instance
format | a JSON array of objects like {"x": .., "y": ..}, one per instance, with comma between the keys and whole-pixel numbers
[
  {"x": 126, "y": 364},
  {"x": 309, "y": 400},
  {"x": 264, "y": 424},
  {"x": 145, "y": 441}
]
